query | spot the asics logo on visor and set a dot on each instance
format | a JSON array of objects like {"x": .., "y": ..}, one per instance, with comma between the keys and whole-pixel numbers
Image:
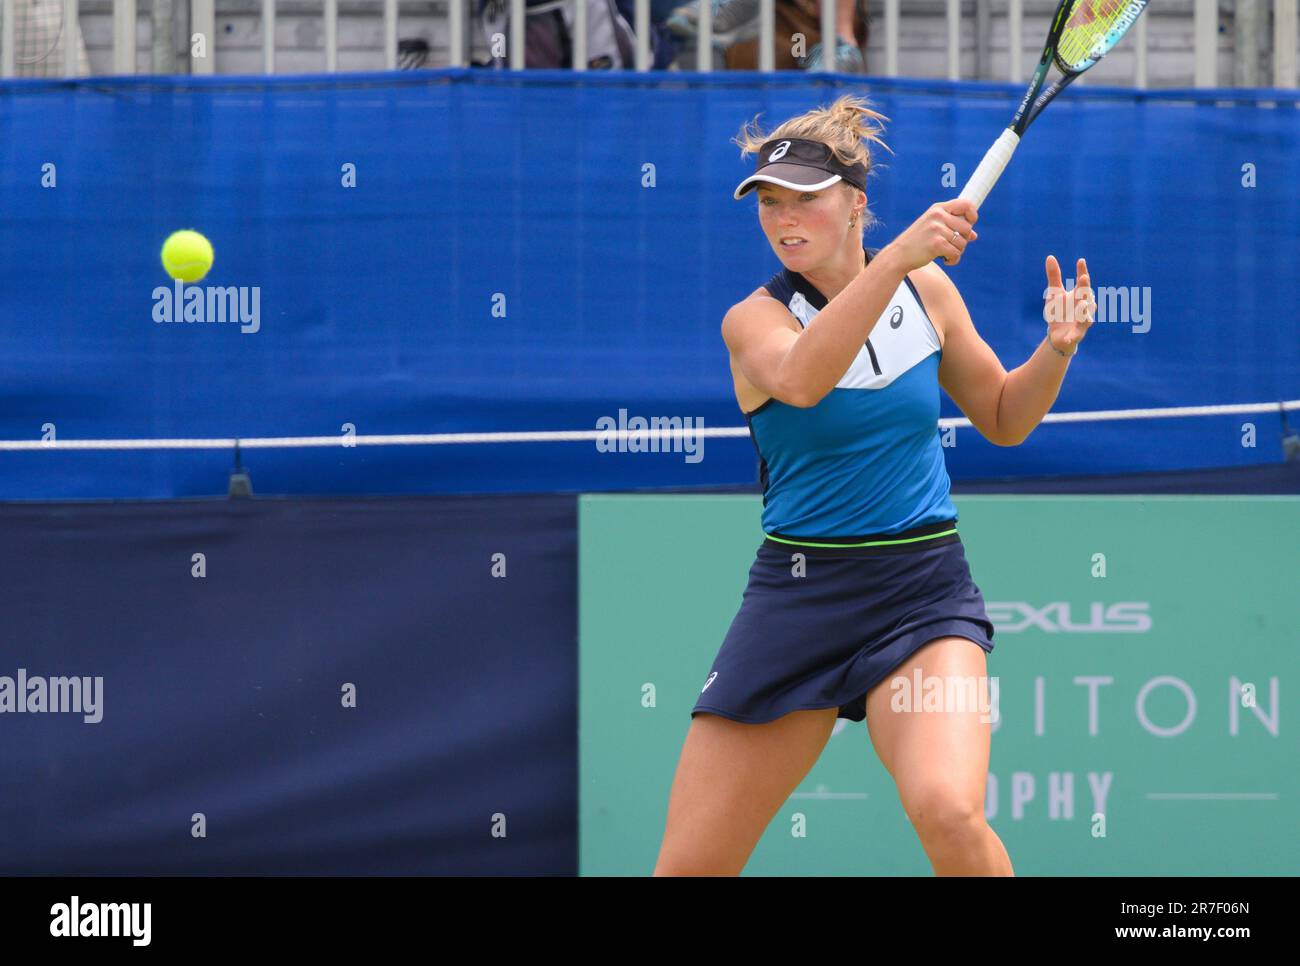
[{"x": 779, "y": 153}]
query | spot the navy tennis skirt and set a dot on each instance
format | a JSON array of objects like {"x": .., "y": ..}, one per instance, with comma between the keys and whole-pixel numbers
[{"x": 821, "y": 630}]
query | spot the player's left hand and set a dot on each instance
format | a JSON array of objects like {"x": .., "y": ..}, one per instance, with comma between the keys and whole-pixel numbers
[{"x": 1068, "y": 314}]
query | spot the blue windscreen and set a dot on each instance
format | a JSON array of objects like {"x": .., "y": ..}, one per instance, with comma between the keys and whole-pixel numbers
[{"x": 467, "y": 251}]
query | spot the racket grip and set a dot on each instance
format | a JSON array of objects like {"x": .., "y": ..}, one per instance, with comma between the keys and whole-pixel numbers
[{"x": 990, "y": 169}]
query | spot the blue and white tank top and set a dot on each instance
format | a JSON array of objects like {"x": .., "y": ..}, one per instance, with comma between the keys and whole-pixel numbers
[{"x": 867, "y": 459}]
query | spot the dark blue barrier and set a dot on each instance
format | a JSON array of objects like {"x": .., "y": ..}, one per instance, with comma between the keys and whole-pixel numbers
[
  {"x": 376, "y": 302},
  {"x": 222, "y": 695}
]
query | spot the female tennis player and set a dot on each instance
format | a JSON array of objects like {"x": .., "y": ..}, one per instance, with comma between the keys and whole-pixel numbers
[{"x": 861, "y": 579}]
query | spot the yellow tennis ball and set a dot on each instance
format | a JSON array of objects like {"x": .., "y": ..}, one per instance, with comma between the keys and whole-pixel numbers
[{"x": 187, "y": 255}]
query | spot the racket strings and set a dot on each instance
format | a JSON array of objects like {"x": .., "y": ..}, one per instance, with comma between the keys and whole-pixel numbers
[{"x": 1094, "y": 26}]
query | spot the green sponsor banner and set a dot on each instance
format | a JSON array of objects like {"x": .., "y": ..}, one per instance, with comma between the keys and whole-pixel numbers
[{"x": 1145, "y": 659}]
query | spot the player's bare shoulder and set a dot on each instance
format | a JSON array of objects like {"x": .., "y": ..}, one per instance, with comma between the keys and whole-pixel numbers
[
  {"x": 759, "y": 305},
  {"x": 758, "y": 294}
]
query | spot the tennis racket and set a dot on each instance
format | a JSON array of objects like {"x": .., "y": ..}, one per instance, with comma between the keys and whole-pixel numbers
[{"x": 1082, "y": 33}]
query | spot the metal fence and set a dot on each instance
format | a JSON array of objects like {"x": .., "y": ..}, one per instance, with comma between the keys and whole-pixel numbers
[{"x": 962, "y": 19}]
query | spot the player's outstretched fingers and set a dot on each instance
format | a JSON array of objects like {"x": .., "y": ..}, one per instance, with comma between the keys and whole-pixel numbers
[
  {"x": 1053, "y": 273},
  {"x": 1085, "y": 304},
  {"x": 1054, "y": 296}
]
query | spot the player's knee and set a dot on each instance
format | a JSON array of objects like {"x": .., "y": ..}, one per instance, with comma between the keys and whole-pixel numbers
[{"x": 943, "y": 814}]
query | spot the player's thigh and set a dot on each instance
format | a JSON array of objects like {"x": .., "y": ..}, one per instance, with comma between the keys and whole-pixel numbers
[
  {"x": 939, "y": 758},
  {"x": 731, "y": 779}
]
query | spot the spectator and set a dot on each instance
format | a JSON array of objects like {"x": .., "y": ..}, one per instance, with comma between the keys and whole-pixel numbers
[
  {"x": 663, "y": 45},
  {"x": 548, "y": 34},
  {"x": 735, "y": 26}
]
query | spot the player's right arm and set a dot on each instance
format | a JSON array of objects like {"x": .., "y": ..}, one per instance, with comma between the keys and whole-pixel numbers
[{"x": 759, "y": 333}]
